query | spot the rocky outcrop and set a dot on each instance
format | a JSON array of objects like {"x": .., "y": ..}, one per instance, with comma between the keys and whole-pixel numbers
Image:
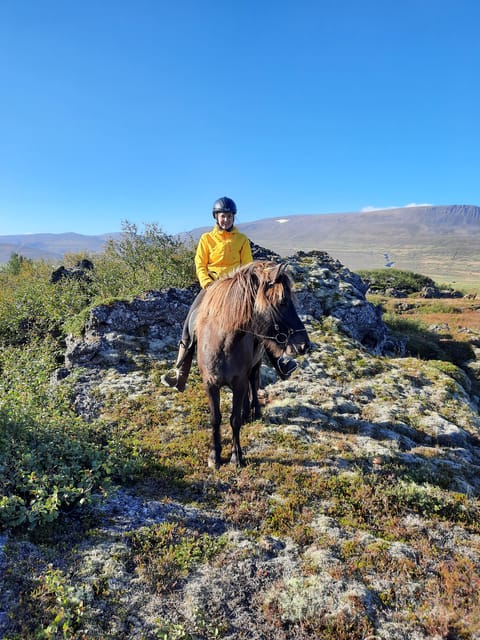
[
  {"x": 125, "y": 335},
  {"x": 326, "y": 288},
  {"x": 129, "y": 336},
  {"x": 81, "y": 272}
]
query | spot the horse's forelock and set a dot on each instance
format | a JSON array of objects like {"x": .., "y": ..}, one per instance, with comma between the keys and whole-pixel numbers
[
  {"x": 232, "y": 299},
  {"x": 274, "y": 288}
]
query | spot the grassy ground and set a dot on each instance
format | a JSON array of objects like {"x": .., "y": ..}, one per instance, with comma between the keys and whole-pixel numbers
[{"x": 352, "y": 518}]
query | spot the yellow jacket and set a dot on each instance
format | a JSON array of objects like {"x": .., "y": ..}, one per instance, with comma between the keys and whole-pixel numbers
[{"x": 219, "y": 252}]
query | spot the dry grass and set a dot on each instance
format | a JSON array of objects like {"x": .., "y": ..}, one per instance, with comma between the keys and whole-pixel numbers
[{"x": 458, "y": 313}]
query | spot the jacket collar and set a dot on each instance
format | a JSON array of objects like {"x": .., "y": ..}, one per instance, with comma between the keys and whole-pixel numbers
[{"x": 216, "y": 229}]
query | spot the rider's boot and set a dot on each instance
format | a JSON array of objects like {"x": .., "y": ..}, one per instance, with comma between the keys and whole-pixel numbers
[{"x": 177, "y": 378}]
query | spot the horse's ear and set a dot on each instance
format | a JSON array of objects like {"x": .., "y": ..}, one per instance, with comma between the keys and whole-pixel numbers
[{"x": 277, "y": 271}]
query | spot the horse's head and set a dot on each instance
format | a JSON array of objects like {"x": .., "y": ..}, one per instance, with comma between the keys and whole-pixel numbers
[{"x": 275, "y": 311}]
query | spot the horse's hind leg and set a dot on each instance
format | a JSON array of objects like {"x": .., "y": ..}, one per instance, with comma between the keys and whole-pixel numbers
[
  {"x": 236, "y": 420},
  {"x": 214, "y": 458}
]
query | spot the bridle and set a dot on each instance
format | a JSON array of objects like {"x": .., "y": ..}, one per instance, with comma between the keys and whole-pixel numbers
[{"x": 280, "y": 338}]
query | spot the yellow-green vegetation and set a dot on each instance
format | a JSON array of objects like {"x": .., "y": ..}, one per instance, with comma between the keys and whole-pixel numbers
[
  {"x": 381, "y": 279},
  {"x": 31, "y": 306},
  {"x": 164, "y": 554},
  {"x": 357, "y": 514},
  {"x": 51, "y": 459}
]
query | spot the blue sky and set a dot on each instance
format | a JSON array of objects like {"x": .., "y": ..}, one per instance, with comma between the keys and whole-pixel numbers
[{"x": 147, "y": 110}]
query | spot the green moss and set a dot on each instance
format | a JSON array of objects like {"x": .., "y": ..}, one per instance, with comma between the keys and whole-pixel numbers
[{"x": 164, "y": 554}]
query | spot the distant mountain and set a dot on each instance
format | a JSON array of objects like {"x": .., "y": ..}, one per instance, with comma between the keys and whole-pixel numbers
[
  {"x": 442, "y": 242},
  {"x": 51, "y": 246}
]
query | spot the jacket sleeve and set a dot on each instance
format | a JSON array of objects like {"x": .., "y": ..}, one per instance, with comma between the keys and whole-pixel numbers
[
  {"x": 246, "y": 252},
  {"x": 201, "y": 263}
]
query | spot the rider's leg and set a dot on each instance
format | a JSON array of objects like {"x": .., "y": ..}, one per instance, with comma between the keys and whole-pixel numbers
[{"x": 177, "y": 378}]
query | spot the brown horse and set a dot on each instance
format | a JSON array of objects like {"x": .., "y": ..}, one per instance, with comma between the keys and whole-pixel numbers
[{"x": 238, "y": 315}]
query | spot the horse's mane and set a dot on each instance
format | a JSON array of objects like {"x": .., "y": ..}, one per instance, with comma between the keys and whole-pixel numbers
[{"x": 250, "y": 289}]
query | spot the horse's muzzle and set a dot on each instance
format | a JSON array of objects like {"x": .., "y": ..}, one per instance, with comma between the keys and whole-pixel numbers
[{"x": 298, "y": 347}]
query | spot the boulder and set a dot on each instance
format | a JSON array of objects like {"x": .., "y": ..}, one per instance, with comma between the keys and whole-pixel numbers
[
  {"x": 327, "y": 288},
  {"x": 81, "y": 271}
]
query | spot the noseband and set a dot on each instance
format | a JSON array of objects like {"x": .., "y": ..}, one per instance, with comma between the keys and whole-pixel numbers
[{"x": 280, "y": 338}]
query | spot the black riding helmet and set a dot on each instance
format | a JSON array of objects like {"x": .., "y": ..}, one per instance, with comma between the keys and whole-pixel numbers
[{"x": 224, "y": 205}]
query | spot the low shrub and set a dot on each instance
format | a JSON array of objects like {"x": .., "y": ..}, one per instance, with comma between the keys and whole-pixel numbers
[
  {"x": 382, "y": 279},
  {"x": 50, "y": 459},
  {"x": 142, "y": 261},
  {"x": 32, "y": 307},
  {"x": 165, "y": 553}
]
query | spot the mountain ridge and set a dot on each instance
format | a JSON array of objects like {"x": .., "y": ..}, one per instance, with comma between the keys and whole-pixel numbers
[
  {"x": 51, "y": 246},
  {"x": 441, "y": 241}
]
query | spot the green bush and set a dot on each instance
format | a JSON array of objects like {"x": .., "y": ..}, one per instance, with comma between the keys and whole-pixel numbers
[
  {"x": 139, "y": 262},
  {"x": 15, "y": 264},
  {"x": 32, "y": 307},
  {"x": 381, "y": 279},
  {"x": 50, "y": 459}
]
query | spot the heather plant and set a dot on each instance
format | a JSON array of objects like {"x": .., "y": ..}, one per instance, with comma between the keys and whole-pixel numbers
[{"x": 165, "y": 553}]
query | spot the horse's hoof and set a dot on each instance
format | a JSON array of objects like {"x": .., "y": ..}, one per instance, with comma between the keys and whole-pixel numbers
[
  {"x": 238, "y": 463},
  {"x": 213, "y": 463}
]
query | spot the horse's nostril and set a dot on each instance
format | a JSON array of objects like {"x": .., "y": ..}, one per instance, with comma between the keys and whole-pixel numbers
[{"x": 298, "y": 349}]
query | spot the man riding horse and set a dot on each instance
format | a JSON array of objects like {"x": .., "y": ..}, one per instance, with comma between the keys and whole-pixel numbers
[{"x": 218, "y": 253}]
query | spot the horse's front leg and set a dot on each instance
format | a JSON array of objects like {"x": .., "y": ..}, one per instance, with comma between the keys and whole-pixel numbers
[
  {"x": 254, "y": 387},
  {"x": 214, "y": 458},
  {"x": 236, "y": 419},
  {"x": 251, "y": 406}
]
